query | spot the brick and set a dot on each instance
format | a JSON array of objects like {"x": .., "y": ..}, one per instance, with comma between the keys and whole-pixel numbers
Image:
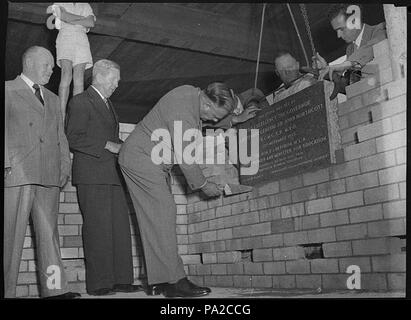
[
  {"x": 127, "y": 127},
  {"x": 282, "y": 226},
  {"x": 308, "y": 281},
  {"x": 288, "y": 253},
  {"x": 73, "y": 241},
  {"x": 390, "y": 263},
  {"x": 374, "y": 281},
  {"x": 242, "y": 281},
  {"x": 396, "y": 281},
  {"x": 235, "y": 268},
  {"x": 316, "y": 177},
  {"x": 381, "y": 48},
  {"x": 334, "y": 281},
  {"x": 274, "y": 267},
  {"x": 389, "y": 108},
  {"x": 263, "y": 203},
  {"x": 209, "y": 258},
  {"x": 393, "y": 174},
  {"x": 249, "y": 218},
  {"x": 401, "y": 155},
  {"x": 262, "y": 281},
  {"x": 269, "y": 188},
  {"x": 331, "y": 188},
  {"x": 362, "y": 262},
  {"x": 27, "y": 278},
  {"x": 275, "y": 240},
  {"x": 394, "y": 209},
  {"x": 287, "y": 281},
  {"x": 349, "y": 135},
  {"x": 218, "y": 269},
  {"x": 324, "y": 266},
  {"x": 294, "y": 238},
  {"x": 261, "y": 228},
  {"x": 360, "y": 150},
  {"x": 309, "y": 222},
  {"x": 362, "y": 181},
  {"x": 391, "y": 141},
  {"x": 270, "y": 214},
  {"x": 253, "y": 268},
  {"x": 23, "y": 266},
  {"x": 319, "y": 205},
  {"x": 262, "y": 255},
  {"x": 370, "y": 82},
  {"x": 350, "y": 105},
  {"x": 381, "y": 194},
  {"x": 22, "y": 291},
  {"x": 73, "y": 219},
  {"x": 348, "y": 200},
  {"x": 403, "y": 190},
  {"x": 181, "y": 219},
  {"x": 280, "y": 199},
  {"x": 69, "y": 253},
  {"x": 207, "y": 214},
  {"x": 291, "y": 183},
  {"x": 378, "y": 63},
  {"x": 297, "y": 266},
  {"x": 191, "y": 258},
  {"x": 69, "y": 230},
  {"x": 374, "y": 130},
  {"x": 321, "y": 235},
  {"x": 399, "y": 121},
  {"x": 366, "y": 213},
  {"x": 376, "y": 246},
  {"x": 304, "y": 194},
  {"x": 355, "y": 231},
  {"x": 224, "y": 234},
  {"x": 386, "y": 228},
  {"x": 293, "y": 210},
  {"x": 346, "y": 169},
  {"x": 378, "y": 161},
  {"x": 69, "y": 208},
  {"x": 334, "y": 218},
  {"x": 337, "y": 249},
  {"x": 240, "y": 207},
  {"x": 251, "y": 243},
  {"x": 180, "y": 199},
  {"x": 181, "y": 229}
]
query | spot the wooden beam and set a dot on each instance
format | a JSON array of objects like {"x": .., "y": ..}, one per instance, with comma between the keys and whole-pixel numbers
[{"x": 173, "y": 26}]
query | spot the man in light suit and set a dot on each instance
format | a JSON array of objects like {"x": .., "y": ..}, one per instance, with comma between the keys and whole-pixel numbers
[
  {"x": 36, "y": 164},
  {"x": 149, "y": 182},
  {"x": 360, "y": 40},
  {"x": 93, "y": 135}
]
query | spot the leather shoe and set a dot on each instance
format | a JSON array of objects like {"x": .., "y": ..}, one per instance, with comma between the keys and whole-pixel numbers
[
  {"x": 101, "y": 292},
  {"x": 67, "y": 295},
  {"x": 127, "y": 288},
  {"x": 184, "y": 288}
]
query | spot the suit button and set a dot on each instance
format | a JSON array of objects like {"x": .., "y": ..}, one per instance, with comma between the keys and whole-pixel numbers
[
  {"x": 41, "y": 140},
  {"x": 31, "y": 124}
]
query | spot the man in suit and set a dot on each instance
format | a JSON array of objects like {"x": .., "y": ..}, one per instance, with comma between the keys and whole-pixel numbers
[
  {"x": 36, "y": 164},
  {"x": 359, "y": 36},
  {"x": 93, "y": 134},
  {"x": 149, "y": 180}
]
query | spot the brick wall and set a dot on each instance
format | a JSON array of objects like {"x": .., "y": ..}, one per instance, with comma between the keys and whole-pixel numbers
[
  {"x": 299, "y": 232},
  {"x": 304, "y": 231}
]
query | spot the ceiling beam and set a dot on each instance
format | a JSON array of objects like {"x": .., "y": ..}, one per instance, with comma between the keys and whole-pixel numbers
[{"x": 159, "y": 24}]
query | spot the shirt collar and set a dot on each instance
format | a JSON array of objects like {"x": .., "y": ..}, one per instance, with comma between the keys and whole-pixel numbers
[
  {"x": 359, "y": 38},
  {"x": 102, "y": 97},
  {"x": 28, "y": 81}
]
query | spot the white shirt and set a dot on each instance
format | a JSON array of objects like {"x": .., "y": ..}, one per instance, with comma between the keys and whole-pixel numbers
[
  {"x": 102, "y": 97},
  {"x": 357, "y": 41},
  {"x": 30, "y": 84}
]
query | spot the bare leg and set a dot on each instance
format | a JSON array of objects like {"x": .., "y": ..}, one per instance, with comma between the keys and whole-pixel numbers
[
  {"x": 64, "y": 88},
  {"x": 78, "y": 78}
]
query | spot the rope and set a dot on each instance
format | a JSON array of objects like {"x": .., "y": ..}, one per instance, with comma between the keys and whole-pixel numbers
[
  {"x": 259, "y": 47},
  {"x": 298, "y": 34}
]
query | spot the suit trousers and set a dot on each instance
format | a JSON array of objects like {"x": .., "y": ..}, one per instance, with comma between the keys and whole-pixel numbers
[
  {"x": 42, "y": 202},
  {"x": 156, "y": 215},
  {"x": 106, "y": 235}
]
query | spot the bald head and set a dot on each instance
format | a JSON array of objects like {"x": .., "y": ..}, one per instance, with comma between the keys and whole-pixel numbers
[
  {"x": 287, "y": 67},
  {"x": 38, "y": 64}
]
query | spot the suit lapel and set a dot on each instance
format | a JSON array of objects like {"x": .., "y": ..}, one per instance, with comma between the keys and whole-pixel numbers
[
  {"x": 100, "y": 106},
  {"x": 113, "y": 112},
  {"x": 23, "y": 90},
  {"x": 366, "y": 36}
]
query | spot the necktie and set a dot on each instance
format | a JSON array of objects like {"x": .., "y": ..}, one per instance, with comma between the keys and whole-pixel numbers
[{"x": 37, "y": 93}]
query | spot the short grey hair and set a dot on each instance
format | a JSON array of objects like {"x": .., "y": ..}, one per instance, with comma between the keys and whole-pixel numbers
[
  {"x": 103, "y": 67},
  {"x": 32, "y": 51}
]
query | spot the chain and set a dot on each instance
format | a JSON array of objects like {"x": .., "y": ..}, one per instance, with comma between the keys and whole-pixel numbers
[{"x": 307, "y": 26}]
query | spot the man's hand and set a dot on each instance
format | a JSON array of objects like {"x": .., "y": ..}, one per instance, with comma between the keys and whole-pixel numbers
[
  {"x": 7, "y": 171},
  {"x": 63, "y": 180},
  {"x": 113, "y": 147},
  {"x": 319, "y": 62},
  {"x": 247, "y": 114},
  {"x": 212, "y": 189},
  {"x": 331, "y": 69}
]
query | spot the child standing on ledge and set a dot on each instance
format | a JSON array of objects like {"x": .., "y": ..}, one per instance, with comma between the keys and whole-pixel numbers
[{"x": 73, "y": 20}]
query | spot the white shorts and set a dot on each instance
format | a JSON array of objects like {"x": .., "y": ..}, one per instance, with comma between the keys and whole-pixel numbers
[{"x": 74, "y": 46}]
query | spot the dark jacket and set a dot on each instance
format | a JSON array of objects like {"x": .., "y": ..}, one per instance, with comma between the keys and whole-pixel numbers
[{"x": 90, "y": 124}]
